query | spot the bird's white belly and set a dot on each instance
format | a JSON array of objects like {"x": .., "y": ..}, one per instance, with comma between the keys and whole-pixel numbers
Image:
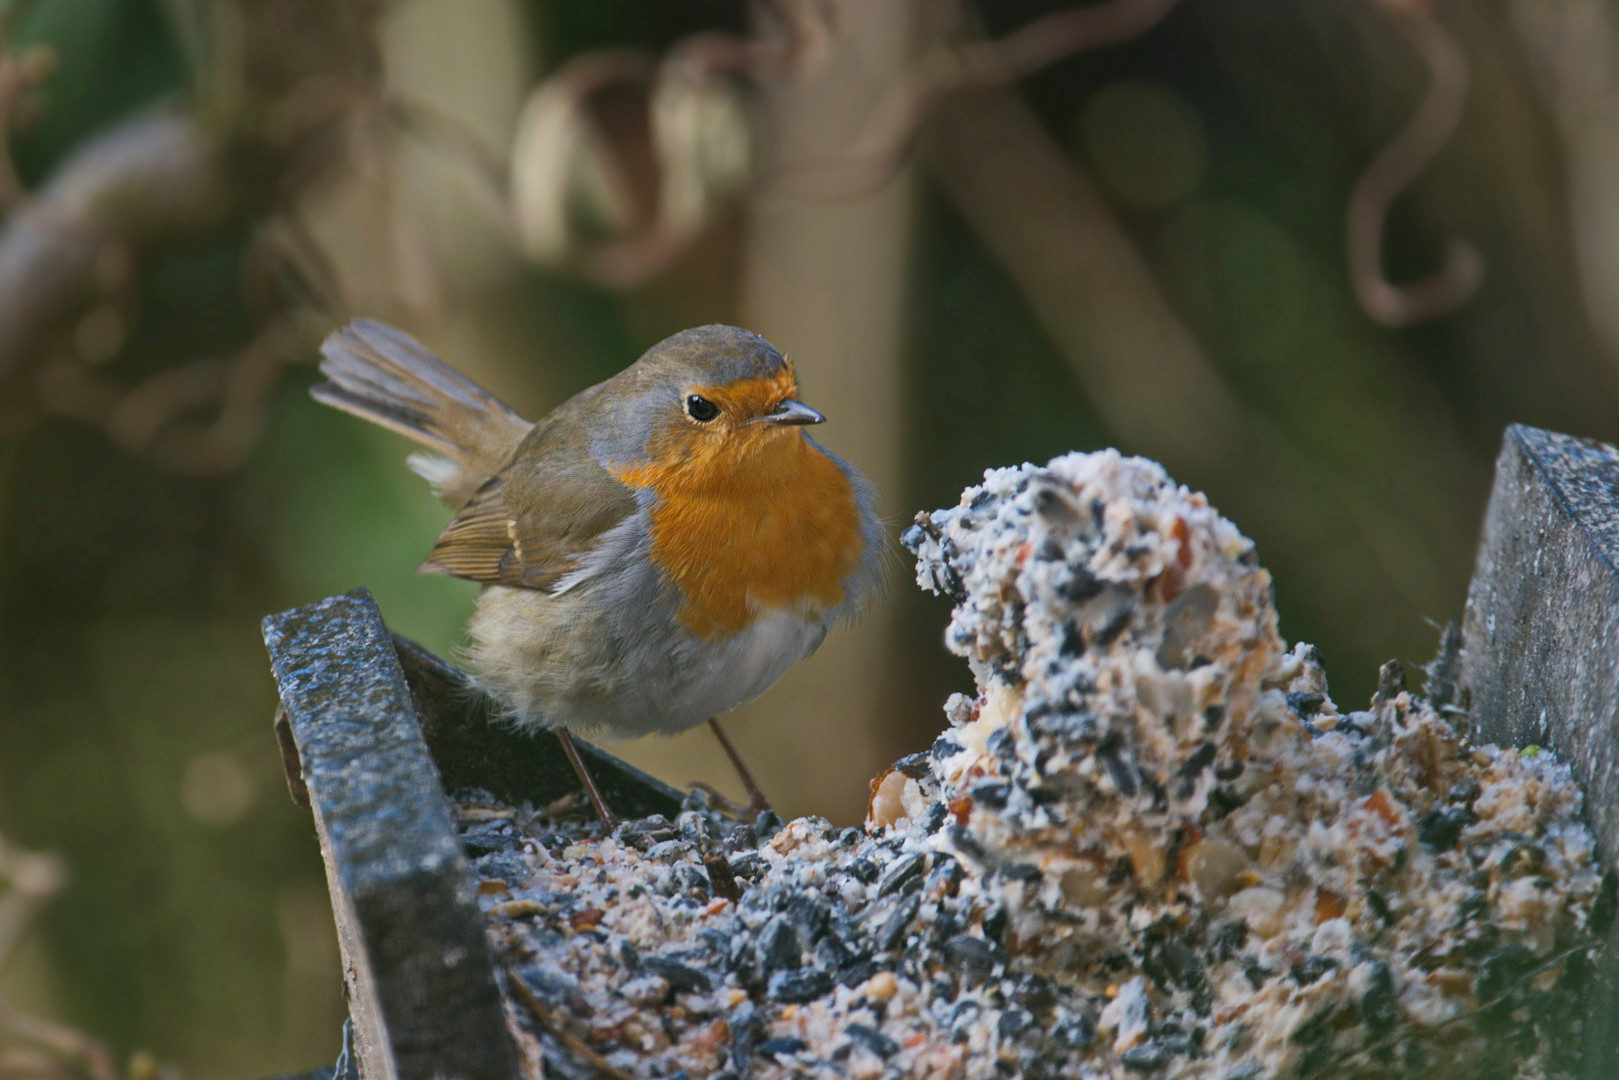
[
  {"x": 623, "y": 669},
  {"x": 727, "y": 672}
]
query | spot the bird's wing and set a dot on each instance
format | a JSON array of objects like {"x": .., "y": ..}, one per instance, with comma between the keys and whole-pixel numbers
[{"x": 531, "y": 524}]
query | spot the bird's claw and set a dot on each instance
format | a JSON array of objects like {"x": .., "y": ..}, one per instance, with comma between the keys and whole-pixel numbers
[{"x": 746, "y": 812}]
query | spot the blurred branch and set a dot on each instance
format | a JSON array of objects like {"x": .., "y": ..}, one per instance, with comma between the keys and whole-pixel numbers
[
  {"x": 20, "y": 75},
  {"x": 899, "y": 114},
  {"x": 1128, "y": 347},
  {"x": 1573, "y": 52},
  {"x": 32, "y": 878},
  {"x": 1392, "y": 171},
  {"x": 282, "y": 81}
]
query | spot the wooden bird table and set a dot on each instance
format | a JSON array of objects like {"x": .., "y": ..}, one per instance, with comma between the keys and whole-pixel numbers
[{"x": 375, "y": 729}]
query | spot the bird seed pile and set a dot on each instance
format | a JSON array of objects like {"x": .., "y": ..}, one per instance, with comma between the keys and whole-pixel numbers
[{"x": 1149, "y": 846}]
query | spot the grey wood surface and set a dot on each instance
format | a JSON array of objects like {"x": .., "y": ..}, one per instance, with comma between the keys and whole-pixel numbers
[
  {"x": 1540, "y": 638},
  {"x": 421, "y": 988}
]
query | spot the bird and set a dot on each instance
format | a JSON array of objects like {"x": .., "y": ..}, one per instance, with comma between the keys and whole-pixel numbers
[{"x": 654, "y": 552}]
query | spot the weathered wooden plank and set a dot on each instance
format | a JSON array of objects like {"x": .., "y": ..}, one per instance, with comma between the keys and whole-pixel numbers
[
  {"x": 421, "y": 986},
  {"x": 1540, "y": 641}
]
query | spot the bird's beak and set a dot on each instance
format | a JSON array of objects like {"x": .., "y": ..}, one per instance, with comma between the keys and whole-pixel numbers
[{"x": 791, "y": 413}]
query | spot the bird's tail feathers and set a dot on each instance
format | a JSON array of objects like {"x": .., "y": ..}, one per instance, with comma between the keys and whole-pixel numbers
[{"x": 382, "y": 375}]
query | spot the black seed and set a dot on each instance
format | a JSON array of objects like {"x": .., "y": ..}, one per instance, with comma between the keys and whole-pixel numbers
[
  {"x": 1312, "y": 968},
  {"x": 1390, "y": 682},
  {"x": 1380, "y": 907},
  {"x": 1438, "y": 830},
  {"x": 1082, "y": 586},
  {"x": 1227, "y": 939},
  {"x": 1014, "y": 1022},
  {"x": 974, "y": 957},
  {"x": 1213, "y": 716},
  {"x": 1034, "y": 992},
  {"x": 995, "y": 923},
  {"x": 1113, "y": 628},
  {"x": 967, "y": 844},
  {"x": 797, "y": 987},
  {"x": 1122, "y": 772},
  {"x": 501, "y": 865},
  {"x": 1200, "y": 759},
  {"x": 992, "y": 796},
  {"x": 1065, "y": 725},
  {"x": 1306, "y": 704},
  {"x": 896, "y": 920},
  {"x": 872, "y": 1040},
  {"x": 555, "y": 987},
  {"x": 1223, "y": 800},
  {"x": 810, "y": 914},
  {"x": 945, "y": 876},
  {"x": 903, "y": 872},
  {"x": 1229, "y": 772},
  {"x": 933, "y": 817},
  {"x": 668, "y": 849},
  {"x": 488, "y": 838},
  {"x": 863, "y": 870},
  {"x": 1002, "y": 744},
  {"x": 1175, "y": 963},
  {"x": 1074, "y": 1032},
  {"x": 944, "y": 747},
  {"x": 1145, "y": 1058},
  {"x": 912, "y": 539},
  {"x": 687, "y": 878},
  {"x": 681, "y": 977},
  {"x": 783, "y": 1046},
  {"x": 857, "y": 971},
  {"x": 830, "y": 954},
  {"x": 779, "y": 947},
  {"x": 1022, "y": 872},
  {"x": 749, "y": 865},
  {"x": 1380, "y": 1003},
  {"x": 913, "y": 765}
]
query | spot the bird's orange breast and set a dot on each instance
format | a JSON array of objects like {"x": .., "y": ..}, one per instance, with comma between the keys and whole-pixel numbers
[{"x": 750, "y": 524}]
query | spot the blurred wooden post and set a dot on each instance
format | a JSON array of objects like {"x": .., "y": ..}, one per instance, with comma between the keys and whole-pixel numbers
[
  {"x": 1540, "y": 640},
  {"x": 825, "y": 280}
]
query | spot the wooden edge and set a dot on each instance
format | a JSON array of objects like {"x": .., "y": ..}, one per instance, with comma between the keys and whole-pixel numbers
[
  {"x": 1540, "y": 644},
  {"x": 422, "y": 990}
]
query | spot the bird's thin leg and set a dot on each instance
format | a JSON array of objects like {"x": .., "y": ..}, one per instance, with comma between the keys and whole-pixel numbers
[
  {"x": 609, "y": 819},
  {"x": 757, "y": 802}
]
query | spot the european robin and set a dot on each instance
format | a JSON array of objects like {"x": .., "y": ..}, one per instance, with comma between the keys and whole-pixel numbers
[{"x": 654, "y": 552}]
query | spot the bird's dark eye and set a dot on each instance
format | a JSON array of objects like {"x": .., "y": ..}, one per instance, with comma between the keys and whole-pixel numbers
[{"x": 701, "y": 409}]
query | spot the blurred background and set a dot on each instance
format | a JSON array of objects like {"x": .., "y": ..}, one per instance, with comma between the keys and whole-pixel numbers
[{"x": 1312, "y": 257}]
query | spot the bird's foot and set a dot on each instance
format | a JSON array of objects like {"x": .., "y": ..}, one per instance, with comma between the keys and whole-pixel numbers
[{"x": 746, "y": 812}]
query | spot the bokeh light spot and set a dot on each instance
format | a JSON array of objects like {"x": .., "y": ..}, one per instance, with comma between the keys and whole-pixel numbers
[
  {"x": 216, "y": 789},
  {"x": 1148, "y": 147}
]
